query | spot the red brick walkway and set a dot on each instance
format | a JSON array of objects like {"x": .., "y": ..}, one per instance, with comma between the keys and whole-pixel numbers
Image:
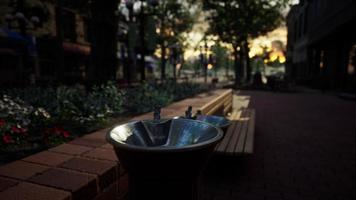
[{"x": 305, "y": 148}]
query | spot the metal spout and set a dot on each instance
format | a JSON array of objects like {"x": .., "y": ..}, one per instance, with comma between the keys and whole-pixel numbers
[
  {"x": 188, "y": 113},
  {"x": 157, "y": 113}
]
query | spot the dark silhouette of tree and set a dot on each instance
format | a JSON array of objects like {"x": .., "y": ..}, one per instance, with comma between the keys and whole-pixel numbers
[
  {"x": 104, "y": 40},
  {"x": 237, "y": 21},
  {"x": 174, "y": 18}
]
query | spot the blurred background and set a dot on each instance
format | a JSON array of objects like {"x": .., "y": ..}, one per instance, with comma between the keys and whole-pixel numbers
[{"x": 307, "y": 42}]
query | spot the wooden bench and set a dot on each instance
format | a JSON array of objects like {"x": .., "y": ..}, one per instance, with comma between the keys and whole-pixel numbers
[
  {"x": 221, "y": 105},
  {"x": 239, "y": 137}
]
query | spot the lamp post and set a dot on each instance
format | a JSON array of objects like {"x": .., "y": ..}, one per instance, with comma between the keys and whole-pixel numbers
[
  {"x": 174, "y": 58},
  {"x": 206, "y": 62},
  {"x": 201, "y": 57},
  {"x": 204, "y": 58}
]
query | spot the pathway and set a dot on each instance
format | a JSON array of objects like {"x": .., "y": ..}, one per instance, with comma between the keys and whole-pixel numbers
[{"x": 305, "y": 148}]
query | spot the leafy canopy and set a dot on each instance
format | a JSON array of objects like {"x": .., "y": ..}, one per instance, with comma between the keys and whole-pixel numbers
[{"x": 236, "y": 20}]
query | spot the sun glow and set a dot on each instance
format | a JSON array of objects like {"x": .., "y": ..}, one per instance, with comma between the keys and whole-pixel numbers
[{"x": 257, "y": 45}]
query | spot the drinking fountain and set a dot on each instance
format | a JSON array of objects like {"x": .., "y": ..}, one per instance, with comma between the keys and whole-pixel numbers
[{"x": 164, "y": 157}]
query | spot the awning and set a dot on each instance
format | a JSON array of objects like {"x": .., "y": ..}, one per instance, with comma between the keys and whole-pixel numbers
[
  {"x": 12, "y": 40},
  {"x": 8, "y": 51},
  {"x": 76, "y": 48},
  {"x": 12, "y": 35}
]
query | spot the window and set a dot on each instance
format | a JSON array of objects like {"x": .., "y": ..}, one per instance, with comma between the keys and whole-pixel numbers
[
  {"x": 351, "y": 67},
  {"x": 87, "y": 30},
  {"x": 321, "y": 64},
  {"x": 68, "y": 25}
]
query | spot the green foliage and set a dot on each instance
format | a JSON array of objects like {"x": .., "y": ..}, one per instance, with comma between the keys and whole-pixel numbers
[
  {"x": 221, "y": 55},
  {"x": 22, "y": 125},
  {"x": 181, "y": 90},
  {"x": 48, "y": 116},
  {"x": 73, "y": 106},
  {"x": 174, "y": 18},
  {"x": 235, "y": 20},
  {"x": 144, "y": 98}
]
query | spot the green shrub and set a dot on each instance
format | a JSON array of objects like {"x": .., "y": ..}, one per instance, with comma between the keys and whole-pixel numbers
[
  {"x": 22, "y": 125},
  {"x": 144, "y": 98},
  {"x": 47, "y": 116}
]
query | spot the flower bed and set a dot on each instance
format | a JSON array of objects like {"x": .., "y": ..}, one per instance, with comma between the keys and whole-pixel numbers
[{"x": 34, "y": 119}]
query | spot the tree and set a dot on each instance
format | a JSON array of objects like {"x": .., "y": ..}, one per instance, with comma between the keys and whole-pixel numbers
[
  {"x": 104, "y": 44},
  {"x": 174, "y": 18},
  {"x": 237, "y": 21},
  {"x": 221, "y": 56}
]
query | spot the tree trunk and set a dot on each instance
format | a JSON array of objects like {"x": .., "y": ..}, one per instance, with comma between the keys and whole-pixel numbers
[
  {"x": 237, "y": 65},
  {"x": 247, "y": 60},
  {"x": 142, "y": 47},
  {"x": 104, "y": 44},
  {"x": 242, "y": 65},
  {"x": 174, "y": 70},
  {"x": 163, "y": 62}
]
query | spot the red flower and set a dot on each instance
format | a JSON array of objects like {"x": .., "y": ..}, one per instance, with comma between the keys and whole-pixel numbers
[
  {"x": 7, "y": 139},
  {"x": 57, "y": 130},
  {"x": 2, "y": 122},
  {"x": 15, "y": 129},
  {"x": 66, "y": 134}
]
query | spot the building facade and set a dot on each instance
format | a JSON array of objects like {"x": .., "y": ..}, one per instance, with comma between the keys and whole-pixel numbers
[
  {"x": 321, "y": 44},
  {"x": 44, "y": 41}
]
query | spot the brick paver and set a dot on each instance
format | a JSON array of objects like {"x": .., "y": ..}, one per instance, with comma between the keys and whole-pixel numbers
[
  {"x": 102, "y": 154},
  {"x": 71, "y": 149},
  {"x": 28, "y": 191},
  {"x": 83, "y": 186},
  {"x": 6, "y": 183},
  {"x": 48, "y": 158},
  {"x": 90, "y": 142},
  {"x": 21, "y": 170},
  {"x": 106, "y": 171},
  {"x": 305, "y": 148}
]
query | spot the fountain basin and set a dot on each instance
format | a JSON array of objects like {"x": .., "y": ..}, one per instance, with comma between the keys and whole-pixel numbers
[
  {"x": 164, "y": 158},
  {"x": 218, "y": 121}
]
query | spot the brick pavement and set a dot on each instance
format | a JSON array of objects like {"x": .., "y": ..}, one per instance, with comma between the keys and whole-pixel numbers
[{"x": 305, "y": 148}]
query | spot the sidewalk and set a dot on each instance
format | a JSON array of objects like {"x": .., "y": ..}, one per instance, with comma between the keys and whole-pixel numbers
[{"x": 305, "y": 148}]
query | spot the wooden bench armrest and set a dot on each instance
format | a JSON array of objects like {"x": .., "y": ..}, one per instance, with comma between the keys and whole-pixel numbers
[{"x": 211, "y": 107}]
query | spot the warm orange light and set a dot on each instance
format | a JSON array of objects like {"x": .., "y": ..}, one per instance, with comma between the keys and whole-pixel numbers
[
  {"x": 277, "y": 55},
  {"x": 210, "y": 66},
  {"x": 178, "y": 66}
]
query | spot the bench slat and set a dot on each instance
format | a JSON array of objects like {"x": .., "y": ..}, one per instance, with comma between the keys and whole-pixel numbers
[
  {"x": 220, "y": 145},
  {"x": 223, "y": 144},
  {"x": 243, "y": 132},
  {"x": 228, "y": 108},
  {"x": 227, "y": 100},
  {"x": 250, "y": 132},
  {"x": 239, "y": 137},
  {"x": 235, "y": 138}
]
